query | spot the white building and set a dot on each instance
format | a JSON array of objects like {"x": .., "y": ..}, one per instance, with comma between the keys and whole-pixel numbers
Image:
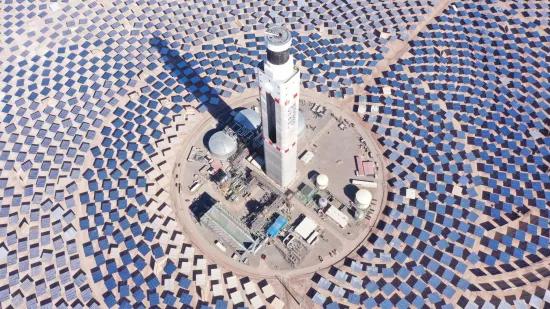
[
  {"x": 306, "y": 229},
  {"x": 338, "y": 216},
  {"x": 279, "y": 83}
]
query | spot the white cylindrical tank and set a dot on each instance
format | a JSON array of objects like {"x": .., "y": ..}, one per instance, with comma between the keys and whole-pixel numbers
[
  {"x": 321, "y": 181},
  {"x": 363, "y": 198},
  {"x": 222, "y": 145},
  {"x": 323, "y": 202}
]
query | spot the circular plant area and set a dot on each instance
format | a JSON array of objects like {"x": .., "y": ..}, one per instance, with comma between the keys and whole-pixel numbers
[{"x": 244, "y": 220}]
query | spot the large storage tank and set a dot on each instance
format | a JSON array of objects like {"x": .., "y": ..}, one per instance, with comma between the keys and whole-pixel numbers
[
  {"x": 363, "y": 198},
  {"x": 248, "y": 118},
  {"x": 222, "y": 145},
  {"x": 321, "y": 181}
]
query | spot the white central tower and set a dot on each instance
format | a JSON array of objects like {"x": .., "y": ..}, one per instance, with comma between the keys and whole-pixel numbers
[{"x": 279, "y": 83}]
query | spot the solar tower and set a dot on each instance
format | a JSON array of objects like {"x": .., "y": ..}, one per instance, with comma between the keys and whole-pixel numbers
[{"x": 279, "y": 82}]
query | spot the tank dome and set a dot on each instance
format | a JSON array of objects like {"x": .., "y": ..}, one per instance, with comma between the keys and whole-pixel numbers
[
  {"x": 248, "y": 118},
  {"x": 222, "y": 145},
  {"x": 363, "y": 198}
]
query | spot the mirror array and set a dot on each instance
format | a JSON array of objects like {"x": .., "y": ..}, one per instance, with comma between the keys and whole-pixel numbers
[{"x": 92, "y": 94}]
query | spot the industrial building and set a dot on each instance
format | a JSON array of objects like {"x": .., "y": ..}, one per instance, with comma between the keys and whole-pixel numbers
[
  {"x": 276, "y": 227},
  {"x": 306, "y": 229},
  {"x": 227, "y": 228}
]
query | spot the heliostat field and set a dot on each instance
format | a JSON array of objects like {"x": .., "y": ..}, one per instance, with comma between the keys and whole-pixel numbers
[{"x": 99, "y": 98}]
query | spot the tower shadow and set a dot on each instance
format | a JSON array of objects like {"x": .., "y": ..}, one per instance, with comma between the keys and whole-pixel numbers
[
  {"x": 183, "y": 72},
  {"x": 188, "y": 75}
]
